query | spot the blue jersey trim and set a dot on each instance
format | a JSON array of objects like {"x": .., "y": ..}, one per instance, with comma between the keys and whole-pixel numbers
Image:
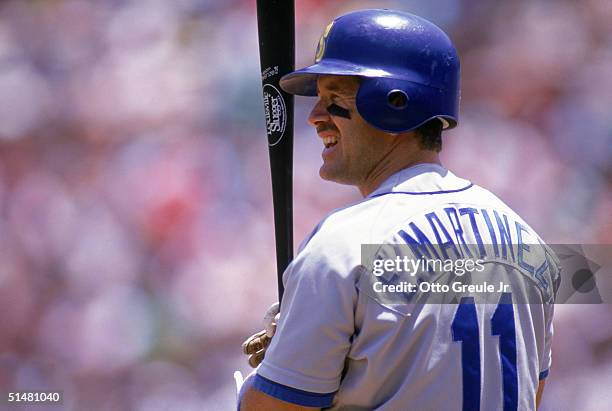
[
  {"x": 543, "y": 374},
  {"x": 292, "y": 395},
  {"x": 421, "y": 193}
]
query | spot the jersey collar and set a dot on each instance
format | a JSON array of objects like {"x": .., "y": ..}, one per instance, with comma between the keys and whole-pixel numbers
[{"x": 422, "y": 179}]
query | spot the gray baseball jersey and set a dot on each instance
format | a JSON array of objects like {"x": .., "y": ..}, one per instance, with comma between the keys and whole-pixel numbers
[{"x": 337, "y": 347}]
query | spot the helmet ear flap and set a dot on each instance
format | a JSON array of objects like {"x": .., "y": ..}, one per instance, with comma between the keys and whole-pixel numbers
[
  {"x": 395, "y": 105},
  {"x": 389, "y": 104}
]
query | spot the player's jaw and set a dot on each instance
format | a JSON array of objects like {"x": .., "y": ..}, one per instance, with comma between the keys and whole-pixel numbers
[
  {"x": 331, "y": 154},
  {"x": 341, "y": 157},
  {"x": 341, "y": 152}
]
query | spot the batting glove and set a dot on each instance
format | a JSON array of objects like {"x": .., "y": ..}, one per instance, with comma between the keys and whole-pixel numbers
[{"x": 255, "y": 346}]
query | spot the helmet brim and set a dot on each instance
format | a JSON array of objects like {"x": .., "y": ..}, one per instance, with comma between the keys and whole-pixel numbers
[{"x": 303, "y": 82}]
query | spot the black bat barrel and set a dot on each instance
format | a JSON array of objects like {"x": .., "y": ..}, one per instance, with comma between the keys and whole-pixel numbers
[{"x": 276, "y": 26}]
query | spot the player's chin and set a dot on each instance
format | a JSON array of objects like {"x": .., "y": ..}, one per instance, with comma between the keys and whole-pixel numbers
[
  {"x": 325, "y": 174},
  {"x": 334, "y": 173},
  {"x": 328, "y": 172}
]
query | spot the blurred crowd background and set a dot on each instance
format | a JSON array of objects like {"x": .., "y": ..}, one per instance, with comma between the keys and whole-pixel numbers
[{"x": 136, "y": 239}]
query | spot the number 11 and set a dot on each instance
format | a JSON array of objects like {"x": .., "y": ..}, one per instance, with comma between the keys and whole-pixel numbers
[{"x": 465, "y": 329}]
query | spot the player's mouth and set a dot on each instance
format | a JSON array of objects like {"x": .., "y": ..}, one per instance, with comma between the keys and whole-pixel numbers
[
  {"x": 329, "y": 142},
  {"x": 329, "y": 135}
]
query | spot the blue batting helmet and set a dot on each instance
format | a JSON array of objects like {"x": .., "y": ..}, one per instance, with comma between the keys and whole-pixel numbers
[{"x": 409, "y": 68}]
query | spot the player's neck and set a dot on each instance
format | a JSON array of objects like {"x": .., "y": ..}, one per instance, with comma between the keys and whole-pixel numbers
[{"x": 394, "y": 163}]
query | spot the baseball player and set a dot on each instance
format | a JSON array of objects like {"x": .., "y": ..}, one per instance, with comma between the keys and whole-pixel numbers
[{"x": 387, "y": 84}]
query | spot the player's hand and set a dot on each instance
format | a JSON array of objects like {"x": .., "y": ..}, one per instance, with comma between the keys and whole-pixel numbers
[{"x": 255, "y": 346}]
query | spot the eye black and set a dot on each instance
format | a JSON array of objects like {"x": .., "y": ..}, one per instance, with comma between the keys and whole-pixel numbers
[{"x": 336, "y": 110}]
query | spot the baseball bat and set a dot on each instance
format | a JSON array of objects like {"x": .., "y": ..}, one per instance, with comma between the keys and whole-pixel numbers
[{"x": 276, "y": 29}]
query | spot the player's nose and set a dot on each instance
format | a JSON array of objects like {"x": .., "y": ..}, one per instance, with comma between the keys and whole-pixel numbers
[{"x": 318, "y": 114}]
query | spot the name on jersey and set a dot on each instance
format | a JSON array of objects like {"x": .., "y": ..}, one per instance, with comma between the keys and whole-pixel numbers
[{"x": 460, "y": 233}]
